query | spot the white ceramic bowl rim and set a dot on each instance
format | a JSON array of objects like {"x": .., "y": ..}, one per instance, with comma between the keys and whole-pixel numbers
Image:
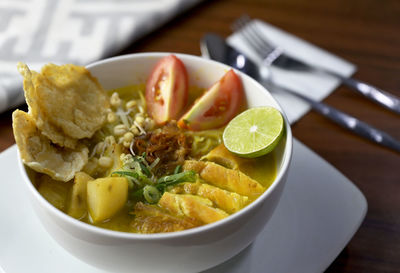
[{"x": 170, "y": 235}]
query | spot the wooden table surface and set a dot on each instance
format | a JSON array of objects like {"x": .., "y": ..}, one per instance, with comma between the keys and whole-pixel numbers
[{"x": 364, "y": 32}]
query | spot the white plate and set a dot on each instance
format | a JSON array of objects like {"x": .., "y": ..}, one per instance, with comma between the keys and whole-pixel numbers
[{"x": 319, "y": 212}]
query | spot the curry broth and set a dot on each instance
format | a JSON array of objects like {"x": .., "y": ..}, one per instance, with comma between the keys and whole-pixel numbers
[{"x": 262, "y": 169}]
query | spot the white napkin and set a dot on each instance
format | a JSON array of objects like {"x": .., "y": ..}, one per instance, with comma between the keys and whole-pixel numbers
[
  {"x": 315, "y": 86},
  {"x": 71, "y": 31}
]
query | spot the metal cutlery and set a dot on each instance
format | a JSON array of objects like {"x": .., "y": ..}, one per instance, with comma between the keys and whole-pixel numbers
[
  {"x": 214, "y": 47},
  {"x": 273, "y": 55}
]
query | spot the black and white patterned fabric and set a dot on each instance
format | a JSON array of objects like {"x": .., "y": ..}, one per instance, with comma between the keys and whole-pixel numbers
[{"x": 71, "y": 31}]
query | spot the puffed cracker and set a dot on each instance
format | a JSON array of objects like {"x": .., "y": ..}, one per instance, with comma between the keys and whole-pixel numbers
[
  {"x": 41, "y": 155},
  {"x": 66, "y": 101},
  {"x": 31, "y": 79}
]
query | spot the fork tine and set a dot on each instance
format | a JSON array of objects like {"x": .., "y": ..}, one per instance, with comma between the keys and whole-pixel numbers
[
  {"x": 256, "y": 40},
  {"x": 256, "y": 33},
  {"x": 241, "y": 27},
  {"x": 240, "y": 22}
]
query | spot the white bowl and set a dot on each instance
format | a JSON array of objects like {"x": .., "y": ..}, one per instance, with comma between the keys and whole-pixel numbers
[{"x": 191, "y": 250}]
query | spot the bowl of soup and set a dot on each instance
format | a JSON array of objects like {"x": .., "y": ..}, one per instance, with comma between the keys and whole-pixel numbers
[{"x": 138, "y": 179}]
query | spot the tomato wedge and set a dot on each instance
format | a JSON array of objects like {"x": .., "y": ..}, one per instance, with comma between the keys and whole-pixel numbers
[
  {"x": 217, "y": 106},
  {"x": 167, "y": 89}
]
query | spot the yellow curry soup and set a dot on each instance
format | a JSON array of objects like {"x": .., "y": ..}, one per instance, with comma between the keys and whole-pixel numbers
[{"x": 135, "y": 175}]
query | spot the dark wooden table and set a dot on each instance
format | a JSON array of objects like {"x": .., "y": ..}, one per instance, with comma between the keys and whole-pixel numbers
[{"x": 366, "y": 33}]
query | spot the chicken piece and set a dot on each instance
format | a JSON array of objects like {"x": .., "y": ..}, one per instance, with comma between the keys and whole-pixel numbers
[
  {"x": 153, "y": 219},
  {"x": 197, "y": 166},
  {"x": 191, "y": 206},
  {"x": 262, "y": 169},
  {"x": 231, "y": 180},
  {"x": 222, "y": 156},
  {"x": 114, "y": 151},
  {"x": 228, "y": 201},
  {"x": 187, "y": 187}
]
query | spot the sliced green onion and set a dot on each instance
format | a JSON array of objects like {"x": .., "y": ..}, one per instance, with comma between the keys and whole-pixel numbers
[
  {"x": 136, "y": 177},
  {"x": 186, "y": 176},
  {"x": 126, "y": 173},
  {"x": 145, "y": 170},
  {"x": 178, "y": 169},
  {"x": 161, "y": 187},
  {"x": 137, "y": 194},
  {"x": 144, "y": 166},
  {"x": 138, "y": 171},
  {"x": 151, "y": 194},
  {"x": 155, "y": 162}
]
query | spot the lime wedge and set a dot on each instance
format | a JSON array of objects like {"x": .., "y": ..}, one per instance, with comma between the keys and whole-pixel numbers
[{"x": 255, "y": 132}]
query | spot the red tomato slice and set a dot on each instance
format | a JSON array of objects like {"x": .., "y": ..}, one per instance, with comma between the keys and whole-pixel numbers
[
  {"x": 217, "y": 106},
  {"x": 167, "y": 89}
]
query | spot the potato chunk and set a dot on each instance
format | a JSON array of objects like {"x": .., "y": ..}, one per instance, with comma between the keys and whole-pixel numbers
[
  {"x": 106, "y": 196},
  {"x": 78, "y": 203}
]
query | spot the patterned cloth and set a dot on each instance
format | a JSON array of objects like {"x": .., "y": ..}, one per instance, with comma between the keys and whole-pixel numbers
[{"x": 71, "y": 31}]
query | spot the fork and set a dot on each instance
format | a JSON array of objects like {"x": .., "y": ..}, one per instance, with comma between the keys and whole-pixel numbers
[{"x": 273, "y": 55}]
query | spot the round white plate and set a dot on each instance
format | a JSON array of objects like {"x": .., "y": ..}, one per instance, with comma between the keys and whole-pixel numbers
[{"x": 319, "y": 212}]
